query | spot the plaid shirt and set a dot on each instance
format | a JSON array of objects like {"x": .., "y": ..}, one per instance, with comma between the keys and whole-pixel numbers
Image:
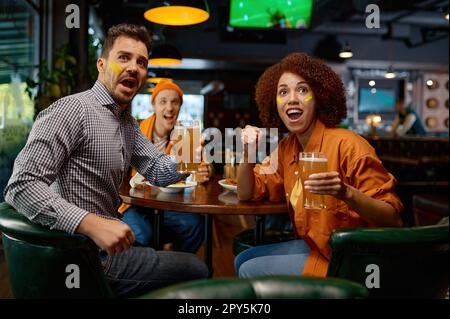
[{"x": 75, "y": 159}]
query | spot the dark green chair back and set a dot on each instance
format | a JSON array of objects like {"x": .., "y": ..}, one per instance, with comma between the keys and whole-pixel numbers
[
  {"x": 270, "y": 287},
  {"x": 38, "y": 260},
  {"x": 411, "y": 262}
]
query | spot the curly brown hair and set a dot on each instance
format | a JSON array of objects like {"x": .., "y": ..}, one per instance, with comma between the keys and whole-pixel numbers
[{"x": 326, "y": 85}]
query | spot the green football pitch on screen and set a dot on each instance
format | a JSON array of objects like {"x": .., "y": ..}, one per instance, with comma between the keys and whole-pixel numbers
[{"x": 281, "y": 14}]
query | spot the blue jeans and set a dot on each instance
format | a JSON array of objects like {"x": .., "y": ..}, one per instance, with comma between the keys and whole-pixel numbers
[
  {"x": 286, "y": 258},
  {"x": 185, "y": 230},
  {"x": 138, "y": 270},
  {"x": 279, "y": 222}
]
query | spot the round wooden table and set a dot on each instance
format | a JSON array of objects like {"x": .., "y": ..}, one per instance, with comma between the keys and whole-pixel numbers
[{"x": 209, "y": 199}]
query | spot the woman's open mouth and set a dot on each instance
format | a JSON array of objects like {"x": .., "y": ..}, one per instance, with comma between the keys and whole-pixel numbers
[{"x": 294, "y": 114}]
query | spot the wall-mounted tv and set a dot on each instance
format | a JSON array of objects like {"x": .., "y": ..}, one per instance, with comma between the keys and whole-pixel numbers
[
  {"x": 379, "y": 96},
  {"x": 376, "y": 100},
  {"x": 271, "y": 14}
]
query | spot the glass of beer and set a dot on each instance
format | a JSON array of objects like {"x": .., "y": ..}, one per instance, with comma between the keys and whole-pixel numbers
[
  {"x": 312, "y": 163},
  {"x": 188, "y": 138},
  {"x": 230, "y": 167}
]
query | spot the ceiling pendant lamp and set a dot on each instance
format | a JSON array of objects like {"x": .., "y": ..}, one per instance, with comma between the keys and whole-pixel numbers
[
  {"x": 390, "y": 74},
  {"x": 178, "y": 12},
  {"x": 164, "y": 55},
  {"x": 346, "y": 52},
  {"x": 156, "y": 80}
]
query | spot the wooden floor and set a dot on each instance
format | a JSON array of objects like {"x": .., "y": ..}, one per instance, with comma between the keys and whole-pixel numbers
[{"x": 225, "y": 228}]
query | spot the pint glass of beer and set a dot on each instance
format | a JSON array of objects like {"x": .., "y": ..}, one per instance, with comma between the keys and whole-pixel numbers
[
  {"x": 188, "y": 138},
  {"x": 312, "y": 163}
]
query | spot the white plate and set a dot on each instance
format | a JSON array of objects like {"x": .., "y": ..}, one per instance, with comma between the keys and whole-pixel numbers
[
  {"x": 175, "y": 188},
  {"x": 229, "y": 187}
]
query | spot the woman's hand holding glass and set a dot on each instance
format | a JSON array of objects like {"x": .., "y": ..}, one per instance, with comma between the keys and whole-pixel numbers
[{"x": 328, "y": 183}]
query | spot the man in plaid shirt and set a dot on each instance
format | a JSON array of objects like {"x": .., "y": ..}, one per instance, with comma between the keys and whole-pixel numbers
[{"x": 68, "y": 175}]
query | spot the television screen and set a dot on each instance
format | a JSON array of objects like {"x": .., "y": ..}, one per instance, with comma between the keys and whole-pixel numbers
[
  {"x": 376, "y": 100},
  {"x": 141, "y": 106},
  {"x": 276, "y": 14}
]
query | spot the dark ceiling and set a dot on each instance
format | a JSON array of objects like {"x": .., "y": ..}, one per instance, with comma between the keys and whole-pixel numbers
[
  {"x": 414, "y": 23},
  {"x": 414, "y": 31}
]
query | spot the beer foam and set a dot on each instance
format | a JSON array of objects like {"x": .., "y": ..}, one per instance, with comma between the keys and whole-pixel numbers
[{"x": 311, "y": 159}]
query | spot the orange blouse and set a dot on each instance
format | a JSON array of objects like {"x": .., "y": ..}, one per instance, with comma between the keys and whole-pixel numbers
[{"x": 358, "y": 165}]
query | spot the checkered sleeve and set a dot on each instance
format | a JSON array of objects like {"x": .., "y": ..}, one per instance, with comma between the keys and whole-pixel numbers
[
  {"x": 158, "y": 168},
  {"x": 56, "y": 133}
]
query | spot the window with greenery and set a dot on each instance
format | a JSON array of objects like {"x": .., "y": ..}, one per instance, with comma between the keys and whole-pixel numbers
[{"x": 19, "y": 45}]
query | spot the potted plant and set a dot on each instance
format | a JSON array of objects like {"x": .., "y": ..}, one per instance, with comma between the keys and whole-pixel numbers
[{"x": 54, "y": 84}]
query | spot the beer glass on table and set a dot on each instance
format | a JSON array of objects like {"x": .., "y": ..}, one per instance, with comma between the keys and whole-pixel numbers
[
  {"x": 312, "y": 163},
  {"x": 188, "y": 139},
  {"x": 230, "y": 167}
]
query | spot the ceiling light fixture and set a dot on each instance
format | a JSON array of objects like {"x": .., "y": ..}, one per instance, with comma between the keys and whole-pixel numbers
[
  {"x": 178, "y": 12},
  {"x": 156, "y": 80},
  {"x": 164, "y": 55},
  {"x": 346, "y": 52},
  {"x": 390, "y": 74}
]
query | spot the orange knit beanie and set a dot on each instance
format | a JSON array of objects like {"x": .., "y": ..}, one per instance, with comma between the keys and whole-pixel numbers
[{"x": 166, "y": 85}]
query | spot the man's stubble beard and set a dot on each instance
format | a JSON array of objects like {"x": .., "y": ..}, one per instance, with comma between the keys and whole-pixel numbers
[{"x": 121, "y": 101}]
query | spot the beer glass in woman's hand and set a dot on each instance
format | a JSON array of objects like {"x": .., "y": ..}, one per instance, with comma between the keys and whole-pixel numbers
[{"x": 312, "y": 163}]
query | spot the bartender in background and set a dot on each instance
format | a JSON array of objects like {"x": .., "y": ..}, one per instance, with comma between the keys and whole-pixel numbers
[{"x": 407, "y": 122}]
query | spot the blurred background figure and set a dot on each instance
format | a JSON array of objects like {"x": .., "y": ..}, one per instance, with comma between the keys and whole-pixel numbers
[{"x": 407, "y": 121}]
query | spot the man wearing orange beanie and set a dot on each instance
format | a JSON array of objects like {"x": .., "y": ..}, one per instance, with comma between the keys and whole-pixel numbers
[{"x": 184, "y": 230}]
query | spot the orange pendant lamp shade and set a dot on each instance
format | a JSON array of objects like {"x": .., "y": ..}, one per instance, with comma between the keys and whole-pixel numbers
[
  {"x": 156, "y": 80},
  {"x": 164, "y": 55},
  {"x": 178, "y": 12}
]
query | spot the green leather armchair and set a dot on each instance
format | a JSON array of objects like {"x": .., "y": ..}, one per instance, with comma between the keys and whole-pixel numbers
[
  {"x": 270, "y": 287},
  {"x": 38, "y": 260},
  {"x": 401, "y": 262}
]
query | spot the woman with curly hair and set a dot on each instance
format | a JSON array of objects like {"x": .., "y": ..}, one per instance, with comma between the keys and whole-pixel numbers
[{"x": 310, "y": 100}]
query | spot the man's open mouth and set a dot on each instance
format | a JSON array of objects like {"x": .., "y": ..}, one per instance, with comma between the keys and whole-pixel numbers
[
  {"x": 294, "y": 114},
  {"x": 169, "y": 117},
  {"x": 129, "y": 83}
]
